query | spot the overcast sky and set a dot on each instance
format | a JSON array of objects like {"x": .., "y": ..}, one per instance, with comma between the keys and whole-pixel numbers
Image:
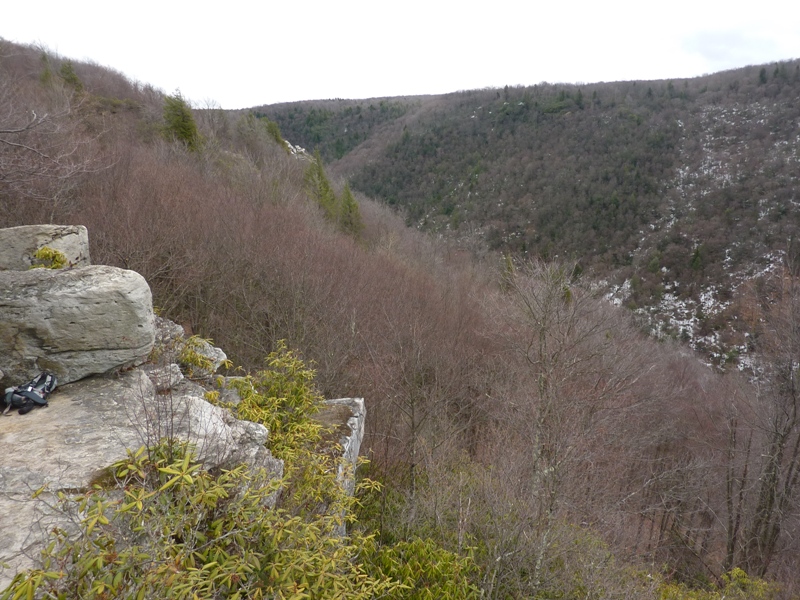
[{"x": 240, "y": 54}]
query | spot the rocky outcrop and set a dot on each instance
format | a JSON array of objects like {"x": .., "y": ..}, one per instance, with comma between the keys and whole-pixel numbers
[
  {"x": 73, "y": 322},
  {"x": 83, "y": 321},
  {"x": 346, "y": 417},
  {"x": 18, "y": 245},
  {"x": 88, "y": 426}
]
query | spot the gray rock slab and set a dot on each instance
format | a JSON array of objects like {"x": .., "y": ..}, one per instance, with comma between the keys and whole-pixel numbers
[
  {"x": 17, "y": 245},
  {"x": 90, "y": 425},
  {"x": 346, "y": 417}
]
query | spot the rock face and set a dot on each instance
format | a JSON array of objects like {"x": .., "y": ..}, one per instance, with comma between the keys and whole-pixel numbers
[
  {"x": 73, "y": 322},
  {"x": 346, "y": 416},
  {"x": 89, "y": 425},
  {"x": 17, "y": 245}
]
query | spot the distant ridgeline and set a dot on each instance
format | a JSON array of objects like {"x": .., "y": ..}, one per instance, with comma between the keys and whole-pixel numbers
[
  {"x": 644, "y": 182},
  {"x": 334, "y": 127}
]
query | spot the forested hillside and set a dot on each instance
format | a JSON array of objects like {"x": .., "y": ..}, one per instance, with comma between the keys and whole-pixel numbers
[
  {"x": 532, "y": 441},
  {"x": 679, "y": 190}
]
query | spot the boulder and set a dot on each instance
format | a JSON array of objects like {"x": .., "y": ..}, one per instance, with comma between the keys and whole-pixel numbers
[
  {"x": 168, "y": 334},
  {"x": 164, "y": 377},
  {"x": 73, "y": 322},
  {"x": 18, "y": 244},
  {"x": 90, "y": 425},
  {"x": 200, "y": 359}
]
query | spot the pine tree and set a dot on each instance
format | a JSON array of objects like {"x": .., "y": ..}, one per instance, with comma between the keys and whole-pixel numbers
[
  {"x": 350, "y": 214},
  {"x": 275, "y": 132},
  {"x": 70, "y": 77},
  {"x": 179, "y": 123},
  {"x": 320, "y": 189}
]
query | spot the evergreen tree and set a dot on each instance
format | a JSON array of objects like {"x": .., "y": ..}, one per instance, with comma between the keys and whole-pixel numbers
[
  {"x": 319, "y": 187},
  {"x": 275, "y": 132},
  {"x": 179, "y": 123},
  {"x": 350, "y": 221},
  {"x": 70, "y": 77}
]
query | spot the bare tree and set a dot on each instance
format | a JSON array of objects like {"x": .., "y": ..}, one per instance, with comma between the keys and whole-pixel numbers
[
  {"x": 763, "y": 472},
  {"x": 43, "y": 148},
  {"x": 554, "y": 443}
]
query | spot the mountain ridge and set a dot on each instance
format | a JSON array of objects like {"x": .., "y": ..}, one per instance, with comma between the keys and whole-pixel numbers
[{"x": 644, "y": 183}]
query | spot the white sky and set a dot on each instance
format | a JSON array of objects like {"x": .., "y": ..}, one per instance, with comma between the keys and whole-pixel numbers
[{"x": 246, "y": 53}]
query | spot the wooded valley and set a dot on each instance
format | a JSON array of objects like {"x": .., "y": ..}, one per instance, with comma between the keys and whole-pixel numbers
[{"x": 675, "y": 192}]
